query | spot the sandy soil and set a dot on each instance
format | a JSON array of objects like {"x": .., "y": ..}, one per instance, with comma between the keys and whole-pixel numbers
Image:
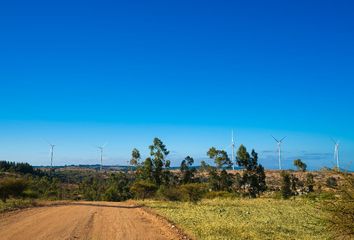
[{"x": 84, "y": 220}]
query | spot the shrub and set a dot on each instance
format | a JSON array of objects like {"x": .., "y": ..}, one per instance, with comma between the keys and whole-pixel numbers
[
  {"x": 11, "y": 187},
  {"x": 286, "y": 185},
  {"x": 169, "y": 193},
  {"x": 309, "y": 182},
  {"x": 193, "y": 192},
  {"x": 331, "y": 182},
  {"x": 30, "y": 194},
  {"x": 143, "y": 189}
]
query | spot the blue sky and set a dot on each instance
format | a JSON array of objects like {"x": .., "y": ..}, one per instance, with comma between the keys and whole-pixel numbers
[{"x": 84, "y": 73}]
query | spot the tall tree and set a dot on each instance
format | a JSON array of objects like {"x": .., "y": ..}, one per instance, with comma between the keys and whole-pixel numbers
[
  {"x": 253, "y": 178},
  {"x": 220, "y": 157},
  {"x": 158, "y": 153},
  {"x": 135, "y": 157},
  {"x": 243, "y": 157},
  {"x": 186, "y": 171},
  {"x": 147, "y": 171}
]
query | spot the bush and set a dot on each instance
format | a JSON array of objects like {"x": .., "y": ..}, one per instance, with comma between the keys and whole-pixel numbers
[
  {"x": 310, "y": 182},
  {"x": 193, "y": 192},
  {"x": 30, "y": 194},
  {"x": 143, "y": 189},
  {"x": 169, "y": 193},
  {"x": 11, "y": 187},
  {"x": 286, "y": 185},
  {"x": 331, "y": 182}
]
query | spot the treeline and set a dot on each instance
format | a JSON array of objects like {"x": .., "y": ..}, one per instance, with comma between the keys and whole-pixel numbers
[
  {"x": 23, "y": 168},
  {"x": 153, "y": 177}
]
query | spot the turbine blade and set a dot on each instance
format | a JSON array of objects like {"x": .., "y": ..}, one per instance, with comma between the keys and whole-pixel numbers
[
  {"x": 275, "y": 139},
  {"x": 282, "y": 139}
]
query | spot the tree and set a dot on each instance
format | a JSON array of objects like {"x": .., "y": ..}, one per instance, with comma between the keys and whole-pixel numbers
[
  {"x": 253, "y": 178},
  {"x": 243, "y": 157},
  {"x": 225, "y": 181},
  {"x": 158, "y": 153},
  {"x": 220, "y": 157},
  {"x": 300, "y": 165},
  {"x": 135, "y": 157},
  {"x": 147, "y": 171},
  {"x": 186, "y": 171}
]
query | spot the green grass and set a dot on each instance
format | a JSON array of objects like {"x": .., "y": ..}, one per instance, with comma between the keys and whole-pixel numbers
[
  {"x": 245, "y": 218},
  {"x": 13, "y": 204}
]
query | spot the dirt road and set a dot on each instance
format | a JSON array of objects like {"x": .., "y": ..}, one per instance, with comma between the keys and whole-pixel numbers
[{"x": 84, "y": 220}]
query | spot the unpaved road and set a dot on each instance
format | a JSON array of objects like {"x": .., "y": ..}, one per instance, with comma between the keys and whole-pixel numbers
[{"x": 84, "y": 220}]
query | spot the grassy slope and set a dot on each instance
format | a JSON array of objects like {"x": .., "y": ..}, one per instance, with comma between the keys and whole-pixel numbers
[{"x": 245, "y": 218}]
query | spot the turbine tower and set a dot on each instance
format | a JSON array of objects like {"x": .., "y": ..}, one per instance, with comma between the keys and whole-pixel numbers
[
  {"x": 51, "y": 154},
  {"x": 279, "y": 142},
  {"x": 336, "y": 152},
  {"x": 101, "y": 151},
  {"x": 232, "y": 149}
]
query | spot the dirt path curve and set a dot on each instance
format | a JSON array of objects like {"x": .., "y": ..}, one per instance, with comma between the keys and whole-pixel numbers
[{"x": 84, "y": 220}]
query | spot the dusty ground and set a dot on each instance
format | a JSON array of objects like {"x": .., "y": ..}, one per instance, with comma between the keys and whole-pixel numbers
[{"x": 84, "y": 220}]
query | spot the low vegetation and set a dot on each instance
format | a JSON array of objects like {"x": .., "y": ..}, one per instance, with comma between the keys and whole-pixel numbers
[
  {"x": 14, "y": 204},
  {"x": 239, "y": 218}
]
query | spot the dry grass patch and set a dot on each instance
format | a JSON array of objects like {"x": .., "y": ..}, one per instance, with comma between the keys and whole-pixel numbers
[{"x": 245, "y": 218}]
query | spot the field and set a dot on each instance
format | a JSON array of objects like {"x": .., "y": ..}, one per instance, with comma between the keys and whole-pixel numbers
[{"x": 245, "y": 218}]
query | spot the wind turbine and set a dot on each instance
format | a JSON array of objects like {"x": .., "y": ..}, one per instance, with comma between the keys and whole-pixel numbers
[
  {"x": 51, "y": 153},
  {"x": 336, "y": 152},
  {"x": 101, "y": 150},
  {"x": 279, "y": 142}
]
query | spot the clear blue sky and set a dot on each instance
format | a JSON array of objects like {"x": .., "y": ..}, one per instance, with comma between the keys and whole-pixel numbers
[{"x": 80, "y": 73}]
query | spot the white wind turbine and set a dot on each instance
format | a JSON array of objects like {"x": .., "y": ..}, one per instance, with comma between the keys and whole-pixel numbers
[
  {"x": 51, "y": 153},
  {"x": 101, "y": 151},
  {"x": 336, "y": 152},
  {"x": 279, "y": 142}
]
